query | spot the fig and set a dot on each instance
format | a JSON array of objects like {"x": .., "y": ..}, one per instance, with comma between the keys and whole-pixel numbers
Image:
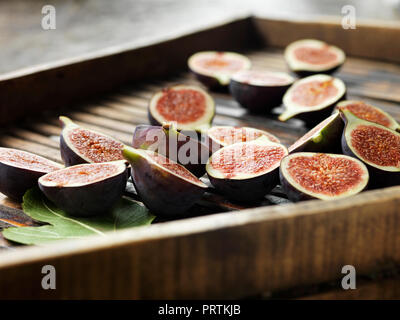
[
  {"x": 309, "y": 175},
  {"x": 214, "y": 69},
  {"x": 80, "y": 145},
  {"x": 376, "y": 145},
  {"x": 312, "y": 99},
  {"x": 308, "y": 57},
  {"x": 164, "y": 186},
  {"x": 222, "y": 136},
  {"x": 324, "y": 137},
  {"x": 370, "y": 113},
  {"x": 246, "y": 171},
  {"x": 189, "y": 107},
  {"x": 182, "y": 148},
  {"x": 87, "y": 189},
  {"x": 259, "y": 91},
  {"x": 20, "y": 171}
]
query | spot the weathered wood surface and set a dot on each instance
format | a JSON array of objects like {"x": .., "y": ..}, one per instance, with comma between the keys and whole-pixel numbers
[{"x": 234, "y": 254}]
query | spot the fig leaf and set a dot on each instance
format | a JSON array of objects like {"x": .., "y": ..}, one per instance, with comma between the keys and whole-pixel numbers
[{"x": 126, "y": 214}]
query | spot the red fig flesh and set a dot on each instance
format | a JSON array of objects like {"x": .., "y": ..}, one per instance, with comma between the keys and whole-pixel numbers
[
  {"x": 20, "y": 171},
  {"x": 313, "y": 98},
  {"x": 86, "y": 189},
  {"x": 189, "y": 107},
  {"x": 259, "y": 90},
  {"x": 370, "y": 113},
  {"x": 215, "y": 69},
  {"x": 309, "y": 56},
  {"x": 223, "y": 136},
  {"x": 246, "y": 171},
  {"x": 164, "y": 186},
  {"x": 80, "y": 145},
  {"x": 377, "y": 146},
  {"x": 307, "y": 175}
]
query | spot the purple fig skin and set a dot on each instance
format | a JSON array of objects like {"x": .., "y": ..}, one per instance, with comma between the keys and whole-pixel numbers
[
  {"x": 330, "y": 135},
  {"x": 164, "y": 193},
  {"x": 313, "y": 118},
  {"x": 14, "y": 181},
  {"x": 378, "y": 178},
  {"x": 163, "y": 147},
  {"x": 246, "y": 190},
  {"x": 68, "y": 155},
  {"x": 211, "y": 83},
  {"x": 91, "y": 199},
  {"x": 258, "y": 99},
  {"x": 306, "y": 73},
  {"x": 292, "y": 193}
]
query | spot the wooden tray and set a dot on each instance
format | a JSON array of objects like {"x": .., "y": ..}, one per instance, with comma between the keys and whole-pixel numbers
[{"x": 242, "y": 253}]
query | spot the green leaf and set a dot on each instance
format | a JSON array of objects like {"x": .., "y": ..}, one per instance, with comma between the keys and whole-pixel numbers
[{"x": 126, "y": 214}]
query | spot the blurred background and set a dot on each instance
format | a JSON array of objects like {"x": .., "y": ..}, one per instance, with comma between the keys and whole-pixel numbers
[{"x": 86, "y": 26}]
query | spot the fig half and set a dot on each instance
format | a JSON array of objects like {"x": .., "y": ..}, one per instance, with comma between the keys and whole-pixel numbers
[
  {"x": 189, "y": 107},
  {"x": 324, "y": 137},
  {"x": 87, "y": 189},
  {"x": 214, "y": 69},
  {"x": 308, "y": 175},
  {"x": 20, "y": 171},
  {"x": 370, "y": 113},
  {"x": 222, "y": 136},
  {"x": 164, "y": 186},
  {"x": 309, "y": 56},
  {"x": 258, "y": 90},
  {"x": 312, "y": 99},
  {"x": 377, "y": 146},
  {"x": 246, "y": 171},
  {"x": 80, "y": 145},
  {"x": 182, "y": 148}
]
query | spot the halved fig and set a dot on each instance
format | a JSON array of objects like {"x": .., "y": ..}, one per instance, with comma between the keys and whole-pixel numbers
[
  {"x": 307, "y": 57},
  {"x": 80, "y": 145},
  {"x": 324, "y": 137},
  {"x": 214, "y": 69},
  {"x": 86, "y": 189},
  {"x": 313, "y": 98},
  {"x": 370, "y": 113},
  {"x": 258, "y": 90},
  {"x": 246, "y": 171},
  {"x": 20, "y": 171},
  {"x": 377, "y": 146},
  {"x": 164, "y": 186},
  {"x": 309, "y": 175},
  {"x": 222, "y": 136},
  {"x": 189, "y": 107},
  {"x": 182, "y": 148}
]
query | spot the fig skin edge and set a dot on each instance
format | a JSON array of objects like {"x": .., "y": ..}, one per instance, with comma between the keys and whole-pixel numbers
[
  {"x": 379, "y": 177},
  {"x": 258, "y": 98},
  {"x": 168, "y": 133},
  {"x": 164, "y": 193},
  {"x": 91, "y": 199},
  {"x": 314, "y": 116},
  {"x": 15, "y": 181},
  {"x": 251, "y": 189},
  {"x": 295, "y": 194},
  {"x": 69, "y": 156}
]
